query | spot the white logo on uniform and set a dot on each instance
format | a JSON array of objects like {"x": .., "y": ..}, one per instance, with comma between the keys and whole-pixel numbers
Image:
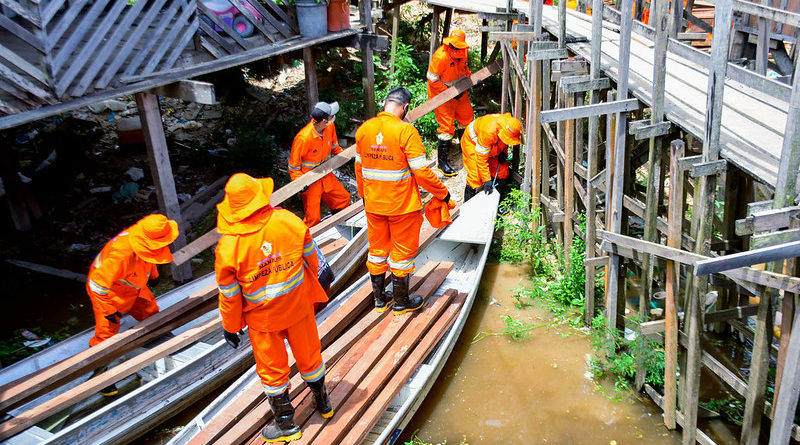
[
  {"x": 379, "y": 138},
  {"x": 266, "y": 248}
]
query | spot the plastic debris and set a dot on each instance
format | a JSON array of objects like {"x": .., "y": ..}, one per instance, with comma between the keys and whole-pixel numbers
[
  {"x": 135, "y": 173},
  {"x": 125, "y": 193},
  {"x": 101, "y": 189},
  {"x": 110, "y": 104}
]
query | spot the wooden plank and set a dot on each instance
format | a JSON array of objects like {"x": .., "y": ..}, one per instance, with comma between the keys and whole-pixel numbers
[
  {"x": 644, "y": 129},
  {"x": 652, "y": 327},
  {"x": 581, "y": 83},
  {"x": 282, "y": 15},
  {"x": 708, "y": 168},
  {"x": 585, "y": 111},
  {"x": 549, "y": 54},
  {"x": 701, "y": 436},
  {"x": 33, "y": 385},
  {"x": 338, "y": 218},
  {"x": 76, "y": 35},
  {"x": 20, "y": 9},
  {"x": 68, "y": 274},
  {"x": 23, "y": 65},
  {"x": 372, "y": 414},
  {"x": 154, "y": 36},
  {"x": 53, "y": 37},
  {"x": 210, "y": 32},
  {"x": 259, "y": 24},
  {"x": 188, "y": 90},
  {"x": 169, "y": 39},
  {"x": 748, "y": 258},
  {"x": 189, "y": 32},
  {"x": 333, "y": 246},
  {"x": 217, "y": 21},
  {"x": 767, "y": 220},
  {"x": 24, "y": 84},
  {"x": 768, "y": 12},
  {"x": 96, "y": 383},
  {"x": 161, "y": 171}
]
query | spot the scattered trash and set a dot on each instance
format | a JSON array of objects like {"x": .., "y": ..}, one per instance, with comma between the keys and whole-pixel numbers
[
  {"x": 197, "y": 261},
  {"x": 23, "y": 178},
  {"x": 101, "y": 189},
  {"x": 125, "y": 193},
  {"x": 657, "y": 312},
  {"x": 33, "y": 340},
  {"x": 135, "y": 173},
  {"x": 27, "y": 137},
  {"x": 78, "y": 247},
  {"x": 51, "y": 159},
  {"x": 231, "y": 141},
  {"x": 218, "y": 151},
  {"x": 110, "y": 104},
  {"x": 183, "y": 197},
  {"x": 494, "y": 302}
]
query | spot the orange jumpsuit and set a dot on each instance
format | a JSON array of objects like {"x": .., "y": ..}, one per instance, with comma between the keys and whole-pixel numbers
[
  {"x": 117, "y": 282},
  {"x": 481, "y": 147},
  {"x": 266, "y": 267},
  {"x": 309, "y": 150},
  {"x": 390, "y": 164},
  {"x": 447, "y": 67}
]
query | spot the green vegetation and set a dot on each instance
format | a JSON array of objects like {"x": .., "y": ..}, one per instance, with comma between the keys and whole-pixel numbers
[
  {"x": 415, "y": 440},
  {"x": 731, "y": 408},
  {"x": 521, "y": 244},
  {"x": 12, "y": 348}
]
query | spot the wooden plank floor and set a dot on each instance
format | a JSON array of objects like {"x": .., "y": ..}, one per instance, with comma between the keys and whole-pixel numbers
[{"x": 753, "y": 122}]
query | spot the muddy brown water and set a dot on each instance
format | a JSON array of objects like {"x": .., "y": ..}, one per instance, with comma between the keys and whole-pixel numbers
[{"x": 535, "y": 391}]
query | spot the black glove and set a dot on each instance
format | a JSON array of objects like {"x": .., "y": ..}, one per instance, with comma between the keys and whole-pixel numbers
[
  {"x": 153, "y": 282},
  {"x": 502, "y": 157},
  {"x": 232, "y": 338},
  {"x": 459, "y": 96},
  {"x": 304, "y": 189},
  {"x": 114, "y": 318},
  {"x": 487, "y": 187},
  {"x": 447, "y": 198}
]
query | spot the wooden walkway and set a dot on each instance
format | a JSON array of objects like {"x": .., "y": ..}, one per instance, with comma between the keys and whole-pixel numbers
[{"x": 753, "y": 121}]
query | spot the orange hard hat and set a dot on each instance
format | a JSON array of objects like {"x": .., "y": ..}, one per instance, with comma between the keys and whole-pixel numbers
[
  {"x": 456, "y": 38},
  {"x": 244, "y": 195},
  {"x": 151, "y": 237},
  {"x": 510, "y": 130}
]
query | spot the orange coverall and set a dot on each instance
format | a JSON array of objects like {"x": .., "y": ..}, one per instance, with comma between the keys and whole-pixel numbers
[
  {"x": 309, "y": 150},
  {"x": 390, "y": 163},
  {"x": 481, "y": 146},
  {"x": 447, "y": 67},
  {"x": 117, "y": 282},
  {"x": 266, "y": 267}
]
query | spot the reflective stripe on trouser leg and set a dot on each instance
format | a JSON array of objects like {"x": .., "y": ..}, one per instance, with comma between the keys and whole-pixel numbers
[
  {"x": 306, "y": 348},
  {"x": 379, "y": 243},
  {"x": 404, "y": 231}
]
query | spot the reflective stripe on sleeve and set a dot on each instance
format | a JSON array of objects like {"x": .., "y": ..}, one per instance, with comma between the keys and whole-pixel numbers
[
  {"x": 474, "y": 136},
  {"x": 230, "y": 290},
  {"x": 432, "y": 77},
  {"x": 308, "y": 249},
  {"x": 452, "y": 82},
  {"x": 276, "y": 290},
  {"x": 127, "y": 283},
  {"x": 98, "y": 289},
  {"x": 358, "y": 158},
  {"x": 385, "y": 175},
  {"x": 418, "y": 162}
]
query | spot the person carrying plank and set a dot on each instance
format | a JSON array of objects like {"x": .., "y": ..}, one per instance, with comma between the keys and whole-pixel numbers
[
  {"x": 448, "y": 66},
  {"x": 390, "y": 164},
  {"x": 118, "y": 276},
  {"x": 313, "y": 145},
  {"x": 266, "y": 269},
  {"x": 485, "y": 150}
]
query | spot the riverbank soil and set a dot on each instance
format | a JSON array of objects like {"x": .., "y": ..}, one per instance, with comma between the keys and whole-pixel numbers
[{"x": 538, "y": 390}]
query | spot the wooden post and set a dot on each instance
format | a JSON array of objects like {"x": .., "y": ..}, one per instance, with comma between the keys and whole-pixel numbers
[
  {"x": 437, "y": 10},
  {"x": 518, "y": 80},
  {"x": 562, "y": 25},
  {"x": 533, "y": 134},
  {"x": 484, "y": 41},
  {"x": 611, "y": 129},
  {"x": 15, "y": 194},
  {"x": 569, "y": 180},
  {"x": 762, "y": 42},
  {"x": 545, "y": 79},
  {"x": 160, "y": 168},
  {"x": 312, "y": 89},
  {"x": 448, "y": 17},
  {"x": 368, "y": 79},
  {"x": 615, "y": 208},
  {"x": 504, "y": 96},
  {"x": 677, "y": 20},
  {"x": 591, "y": 161},
  {"x": 786, "y": 398},
  {"x": 560, "y": 179},
  {"x": 654, "y": 179},
  {"x": 674, "y": 233},
  {"x": 395, "y": 35},
  {"x": 705, "y": 192}
]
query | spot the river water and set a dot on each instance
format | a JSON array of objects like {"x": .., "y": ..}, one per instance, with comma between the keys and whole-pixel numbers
[{"x": 535, "y": 391}]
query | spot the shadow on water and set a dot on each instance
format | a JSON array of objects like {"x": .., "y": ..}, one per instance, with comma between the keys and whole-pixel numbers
[{"x": 535, "y": 391}]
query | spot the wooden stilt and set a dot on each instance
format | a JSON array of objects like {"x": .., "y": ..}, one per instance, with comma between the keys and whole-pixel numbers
[
  {"x": 437, "y": 10},
  {"x": 395, "y": 36},
  {"x": 160, "y": 168},
  {"x": 448, "y": 17},
  {"x": 484, "y": 41},
  {"x": 762, "y": 42},
  {"x": 312, "y": 89},
  {"x": 13, "y": 190},
  {"x": 569, "y": 181},
  {"x": 368, "y": 79},
  {"x": 611, "y": 128}
]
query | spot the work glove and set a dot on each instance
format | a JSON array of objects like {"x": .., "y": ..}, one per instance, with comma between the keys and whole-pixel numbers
[
  {"x": 449, "y": 201},
  {"x": 232, "y": 338},
  {"x": 487, "y": 187},
  {"x": 114, "y": 318},
  {"x": 502, "y": 157},
  {"x": 304, "y": 189},
  {"x": 153, "y": 282},
  {"x": 459, "y": 96}
]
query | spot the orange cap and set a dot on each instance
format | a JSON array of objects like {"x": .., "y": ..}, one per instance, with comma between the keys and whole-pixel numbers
[
  {"x": 457, "y": 38},
  {"x": 510, "y": 130},
  {"x": 244, "y": 195},
  {"x": 151, "y": 237}
]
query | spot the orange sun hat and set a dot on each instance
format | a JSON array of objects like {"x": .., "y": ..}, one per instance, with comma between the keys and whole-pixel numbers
[
  {"x": 151, "y": 237},
  {"x": 244, "y": 195},
  {"x": 456, "y": 38},
  {"x": 511, "y": 130}
]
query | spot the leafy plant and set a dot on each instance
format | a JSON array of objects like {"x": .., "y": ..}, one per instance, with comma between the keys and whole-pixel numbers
[
  {"x": 732, "y": 408},
  {"x": 521, "y": 244},
  {"x": 516, "y": 329}
]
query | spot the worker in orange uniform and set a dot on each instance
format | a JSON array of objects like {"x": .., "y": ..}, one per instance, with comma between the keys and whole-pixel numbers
[
  {"x": 390, "y": 164},
  {"x": 485, "y": 150},
  {"x": 448, "y": 66},
  {"x": 118, "y": 276},
  {"x": 313, "y": 145},
  {"x": 266, "y": 267}
]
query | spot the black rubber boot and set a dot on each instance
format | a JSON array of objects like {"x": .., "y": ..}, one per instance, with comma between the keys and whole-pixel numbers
[
  {"x": 283, "y": 429},
  {"x": 383, "y": 299},
  {"x": 321, "y": 398},
  {"x": 444, "y": 166},
  {"x": 402, "y": 301},
  {"x": 502, "y": 189},
  {"x": 109, "y": 391},
  {"x": 469, "y": 192}
]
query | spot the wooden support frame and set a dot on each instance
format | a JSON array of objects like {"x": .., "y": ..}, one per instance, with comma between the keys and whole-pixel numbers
[
  {"x": 189, "y": 91},
  {"x": 585, "y": 111}
]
